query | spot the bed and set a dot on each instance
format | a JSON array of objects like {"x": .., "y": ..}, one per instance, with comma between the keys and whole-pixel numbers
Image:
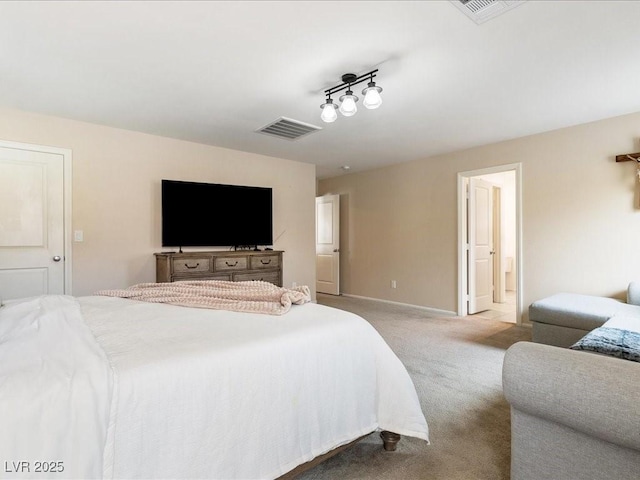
[{"x": 104, "y": 387}]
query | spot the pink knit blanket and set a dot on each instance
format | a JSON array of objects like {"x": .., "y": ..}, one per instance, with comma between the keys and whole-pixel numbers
[{"x": 251, "y": 296}]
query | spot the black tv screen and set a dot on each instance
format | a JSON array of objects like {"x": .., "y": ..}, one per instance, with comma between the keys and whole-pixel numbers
[{"x": 209, "y": 215}]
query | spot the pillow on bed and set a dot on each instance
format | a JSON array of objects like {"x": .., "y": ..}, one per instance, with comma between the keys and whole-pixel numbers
[{"x": 616, "y": 342}]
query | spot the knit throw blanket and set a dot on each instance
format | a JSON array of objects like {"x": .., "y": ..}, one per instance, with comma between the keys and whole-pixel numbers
[
  {"x": 251, "y": 296},
  {"x": 611, "y": 341}
]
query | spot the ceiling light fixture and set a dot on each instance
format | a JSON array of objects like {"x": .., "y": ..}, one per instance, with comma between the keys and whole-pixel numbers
[
  {"x": 329, "y": 111},
  {"x": 372, "y": 98},
  {"x": 348, "y": 108},
  {"x": 348, "y": 104}
]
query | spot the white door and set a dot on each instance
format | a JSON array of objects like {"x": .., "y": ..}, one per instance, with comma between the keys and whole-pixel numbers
[
  {"x": 480, "y": 256},
  {"x": 328, "y": 244},
  {"x": 32, "y": 233}
]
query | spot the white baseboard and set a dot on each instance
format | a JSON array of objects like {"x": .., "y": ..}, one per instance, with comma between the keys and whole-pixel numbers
[{"x": 434, "y": 311}]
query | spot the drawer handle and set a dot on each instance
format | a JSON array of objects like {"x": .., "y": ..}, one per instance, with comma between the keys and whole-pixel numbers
[
  {"x": 229, "y": 265},
  {"x": 190, "y": 267},
  {"x": 265, "y": 263}
]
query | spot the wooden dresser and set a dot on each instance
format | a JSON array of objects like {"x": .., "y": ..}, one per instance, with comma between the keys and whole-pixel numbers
[{"x": 220, "y": 265}]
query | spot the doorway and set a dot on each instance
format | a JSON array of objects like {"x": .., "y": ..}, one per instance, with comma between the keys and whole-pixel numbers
[{"x": 489, "y": 243}]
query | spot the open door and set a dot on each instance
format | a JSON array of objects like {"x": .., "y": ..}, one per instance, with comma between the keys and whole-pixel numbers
[
  {"x": 480, "y": 256},
  {"x": 328, "y": 244}
]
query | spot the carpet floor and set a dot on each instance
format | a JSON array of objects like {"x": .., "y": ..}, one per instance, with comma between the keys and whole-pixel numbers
[{"x": 456, "y": 366}]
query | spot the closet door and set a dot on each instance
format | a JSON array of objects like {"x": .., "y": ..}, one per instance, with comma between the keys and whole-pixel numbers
[{"x": 328, "y": 244}]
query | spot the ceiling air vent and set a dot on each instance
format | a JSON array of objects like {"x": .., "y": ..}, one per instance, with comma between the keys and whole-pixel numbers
[
  {"x": 482, "y": 10},
  {"x": 288, "y": 129}
]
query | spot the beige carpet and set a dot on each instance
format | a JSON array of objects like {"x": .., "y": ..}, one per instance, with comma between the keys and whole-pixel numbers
[{"x": 456, "y": 366}]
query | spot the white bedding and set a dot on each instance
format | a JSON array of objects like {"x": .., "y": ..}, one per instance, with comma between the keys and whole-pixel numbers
[
  {"x": 214, "y": 394},
  {"x": 55, "y": 391}
]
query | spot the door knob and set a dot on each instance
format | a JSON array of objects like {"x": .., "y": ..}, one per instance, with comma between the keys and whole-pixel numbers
[
  {"x": 336, "y": 250},
  {"x": 57, "y": 258}
]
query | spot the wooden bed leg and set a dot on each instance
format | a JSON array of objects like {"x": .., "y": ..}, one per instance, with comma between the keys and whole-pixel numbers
[{"x": 390, "y": 440}]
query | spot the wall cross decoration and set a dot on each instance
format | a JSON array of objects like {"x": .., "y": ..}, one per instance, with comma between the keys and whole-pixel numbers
[
  {"x": 628, "y": 157},
  {"x": 631, "y": 157}
]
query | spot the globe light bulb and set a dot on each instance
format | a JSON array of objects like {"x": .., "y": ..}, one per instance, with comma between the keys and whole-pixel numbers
[
  {"x": 328, "y": 114},
  {"x": 348, "y": 104},
  {"x": 372, "y": 98}
]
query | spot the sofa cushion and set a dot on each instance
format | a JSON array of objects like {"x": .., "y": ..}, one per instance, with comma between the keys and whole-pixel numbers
[
  {"x": 624, "y": 322},
  {"x": 616, "y": 342},
  {"x": 633, "y": 293},
  {"x": 584, "y": 312}
]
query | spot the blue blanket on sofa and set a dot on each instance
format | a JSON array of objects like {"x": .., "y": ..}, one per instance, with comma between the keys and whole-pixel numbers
[{"x": 611, "y": 341}]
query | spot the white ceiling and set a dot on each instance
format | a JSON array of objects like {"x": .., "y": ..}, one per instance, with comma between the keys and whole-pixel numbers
[{"x": 214, "y": 72}]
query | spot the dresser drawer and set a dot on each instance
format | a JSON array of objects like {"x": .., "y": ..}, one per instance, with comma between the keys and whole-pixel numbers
[
  {"x": 272, "y": 277},
  {"x": 191, "y": 265},
  {"x": 191, "y": 278},
  {"x": 230, "y": 263},
  {"x": 265, "y": 261}
]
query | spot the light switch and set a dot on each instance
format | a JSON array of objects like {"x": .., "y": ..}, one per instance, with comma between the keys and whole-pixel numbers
[{"x": 78, "y": 236}]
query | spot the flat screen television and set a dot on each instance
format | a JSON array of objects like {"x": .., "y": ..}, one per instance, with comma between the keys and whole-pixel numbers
[{"x": 215, "y": 215}]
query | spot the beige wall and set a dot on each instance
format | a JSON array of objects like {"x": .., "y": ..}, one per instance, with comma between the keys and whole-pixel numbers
[
  {"x": 116, "y": 195},
  {"x": 580, "y": 226}
]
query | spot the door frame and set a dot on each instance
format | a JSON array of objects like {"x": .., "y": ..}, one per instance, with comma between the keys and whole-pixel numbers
[
  {"x": 67, "y": 178},
  {"x": 463, "y": 180},
  {"x": 498, "y": 260}
]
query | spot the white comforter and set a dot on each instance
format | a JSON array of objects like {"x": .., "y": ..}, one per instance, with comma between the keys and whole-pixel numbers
[
  {"x": 197, "y": 393},
  {"x": 55, "y": 392}
]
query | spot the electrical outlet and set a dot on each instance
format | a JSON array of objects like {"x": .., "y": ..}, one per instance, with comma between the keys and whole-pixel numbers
[
  {"x": 294, "y": 284},
  {"x": 394, "y": 284}
]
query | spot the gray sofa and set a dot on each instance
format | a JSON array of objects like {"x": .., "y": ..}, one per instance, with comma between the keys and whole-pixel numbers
[
  {"x": 574, "y": 415},
  {"x": 565, "y": 318}
]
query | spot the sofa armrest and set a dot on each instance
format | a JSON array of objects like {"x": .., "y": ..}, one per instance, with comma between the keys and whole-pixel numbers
[
  {"x": 594, "y": 394},
  {"x": 633, "y": 293}
]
